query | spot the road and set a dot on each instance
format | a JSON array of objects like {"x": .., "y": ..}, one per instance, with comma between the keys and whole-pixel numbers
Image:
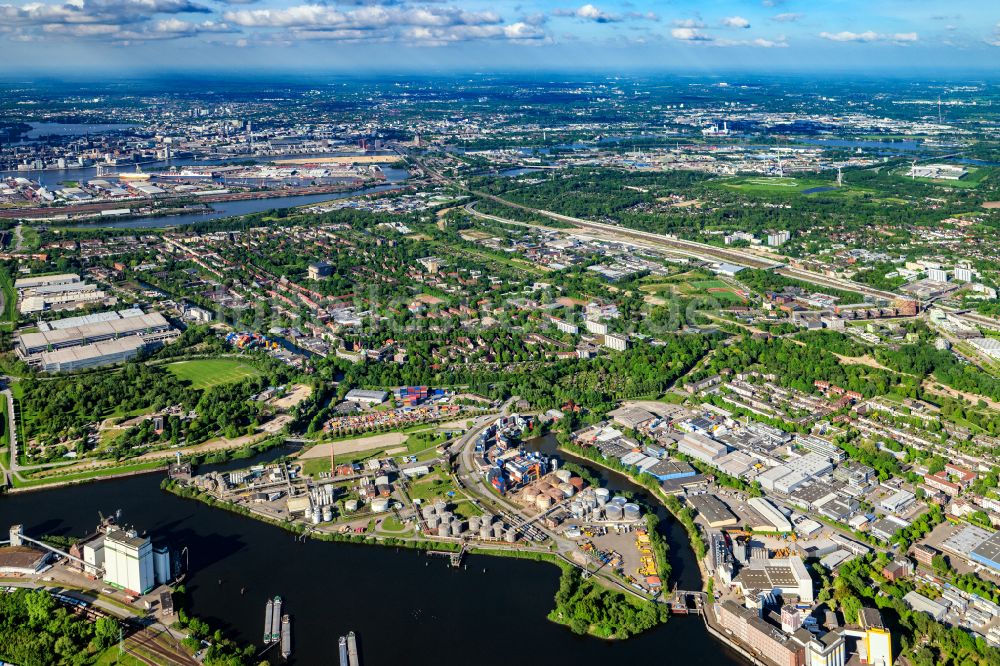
[
  {"x": 701, "y": 251},
  {"x": 471, "y": 481}
]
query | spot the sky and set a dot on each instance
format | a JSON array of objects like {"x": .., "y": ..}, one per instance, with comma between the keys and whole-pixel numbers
[{"x": 360, "y": 36}]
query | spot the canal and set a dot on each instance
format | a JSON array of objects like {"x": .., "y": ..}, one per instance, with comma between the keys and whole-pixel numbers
[{"x": 406, "y": 607}]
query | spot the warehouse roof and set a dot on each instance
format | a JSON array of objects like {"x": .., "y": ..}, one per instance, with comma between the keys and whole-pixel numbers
[
  {"x": 79, "y": 334},
  {"x": 82, "y": 353}
]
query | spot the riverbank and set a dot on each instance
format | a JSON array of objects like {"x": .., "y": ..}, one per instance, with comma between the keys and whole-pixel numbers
[
  {"x": 111, "y": 472},
  {"x": 583, "y": 605}
]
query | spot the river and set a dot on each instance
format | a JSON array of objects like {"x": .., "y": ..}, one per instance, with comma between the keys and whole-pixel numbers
[
  {"x": 393, "y": 178},
  {"x": 406, "y": 607}
]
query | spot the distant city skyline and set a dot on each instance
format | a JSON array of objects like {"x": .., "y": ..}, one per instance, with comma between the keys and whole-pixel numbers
[{"x": 400, "y": 35}]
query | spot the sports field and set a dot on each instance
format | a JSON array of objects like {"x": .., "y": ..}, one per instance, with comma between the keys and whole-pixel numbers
[{"x": 208, "y": 372}]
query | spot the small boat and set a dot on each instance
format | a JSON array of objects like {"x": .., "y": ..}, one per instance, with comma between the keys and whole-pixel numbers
[
  {"x": 286, "y": 636},
  {"x": 267, "y": 621}
]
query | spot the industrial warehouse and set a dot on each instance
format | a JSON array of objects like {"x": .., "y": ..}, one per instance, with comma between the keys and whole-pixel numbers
[{"x": 93, "y": 340}]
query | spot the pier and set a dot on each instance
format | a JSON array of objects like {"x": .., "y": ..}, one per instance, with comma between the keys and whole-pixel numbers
[{"x": 454, "y": 558}]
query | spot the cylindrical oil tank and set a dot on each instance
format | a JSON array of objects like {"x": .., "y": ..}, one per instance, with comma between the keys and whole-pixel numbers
[
  {"x": 602, "y": 495},
  {"x": 474, "y": 524},
  {"x": 440, "y": 506},
  {"x": 427, "y": 512},
  {"x": 530, "y": 495},
  {"x": 620, "y": 501},
  {"x": 380, "y": 504},
  {"x": 351, "y": 505},
  {"x": 543, "y": 502},
  {"x": 446, "y": 516},
  {"x": 567, "y": 489},
  {"x": 564, "y": 475},
  {"x": 456, "y": 528},
  {"x": 510, "y": 535},
  {"x": 632, "y": 512},
  {"x": 497, "y": 531},
  {"x": 589, "y": 500},
  {"x": 484, "y": 531},
  {"x": 327, "y": 513},
  {"x": 316, "y": 515},
  {"x": 613, "y": 512},
  {"x": 575, "y": 509},
  {"x": 444, "y": 529},
  {"x": 433, "y": 522}
]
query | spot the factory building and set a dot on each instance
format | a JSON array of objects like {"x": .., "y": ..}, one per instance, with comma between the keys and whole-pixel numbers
[
  {"x": 877, "y": 640},
  {"x": 713, "y": 510},
  {"x": 701, "y": 447},
  {"x": 785, "y": 576},
  {"x": 774, "y": 520},
  {"x": 762, "y": 638},
  {"x": 919, "y": 602},
  {"x": 128, "y": 562},
  {"x": 366, "y": 397},
  {"x": 99, "y": 342},
  {"x": 987, "y": 553},
  {"x": 22, "y": 284}
]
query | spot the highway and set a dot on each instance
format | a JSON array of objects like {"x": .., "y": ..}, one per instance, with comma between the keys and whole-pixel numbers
[{"x": 701, "y": 251}]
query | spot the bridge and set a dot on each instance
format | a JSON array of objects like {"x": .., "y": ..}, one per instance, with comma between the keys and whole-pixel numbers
[{"x": 686, "y": 602}]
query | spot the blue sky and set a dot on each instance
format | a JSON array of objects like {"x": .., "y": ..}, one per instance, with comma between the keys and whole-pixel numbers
[{"x": 434, "y": 35}]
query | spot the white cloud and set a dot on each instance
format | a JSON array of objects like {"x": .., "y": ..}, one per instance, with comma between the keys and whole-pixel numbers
[
  {"x": 689, "y": 23},
  {"x": 364, "y": 18},
  {"x": 589, "y": 12},
  {"x": 736, "y": 22},
  {"x": 690, "y": 35},
  {"x": 870, "y": 36},
  {"x": 787, "y": 17}
]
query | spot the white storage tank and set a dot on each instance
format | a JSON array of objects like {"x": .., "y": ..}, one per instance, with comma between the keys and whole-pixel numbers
[
  {"x": 484, "y": 531},
  {"x": 632, "y": 512},
  {"x": 380, "y": 504},
  {"x": 433, "y": 522},
  {"x": 544, "y": 502},
  {"x": 564, "y": 475},
  {"x": 474, "y": 524},
  {"x": 440, "y": 506},
  {"x": 351, "y": 505},
  {"x": 567, "y": 489},
  {"x": 576, "y": 509},
  {"x": 444, "y": 529},
  {"x": 602, "y": 495},
  {"x": 497, "y": 531},
  {"x": 456, "y": 528},
  {"x": 511, "y": 535},
  {"x": 327, "y": 513},
  {"x": 427, "y": 512},
  {"x": 613, "y": 512}
]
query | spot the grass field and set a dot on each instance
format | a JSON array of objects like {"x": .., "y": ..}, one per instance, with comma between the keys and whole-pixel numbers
[
  {"x": 766, "y": 185},
  {"x": 209, "y": 372}
]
